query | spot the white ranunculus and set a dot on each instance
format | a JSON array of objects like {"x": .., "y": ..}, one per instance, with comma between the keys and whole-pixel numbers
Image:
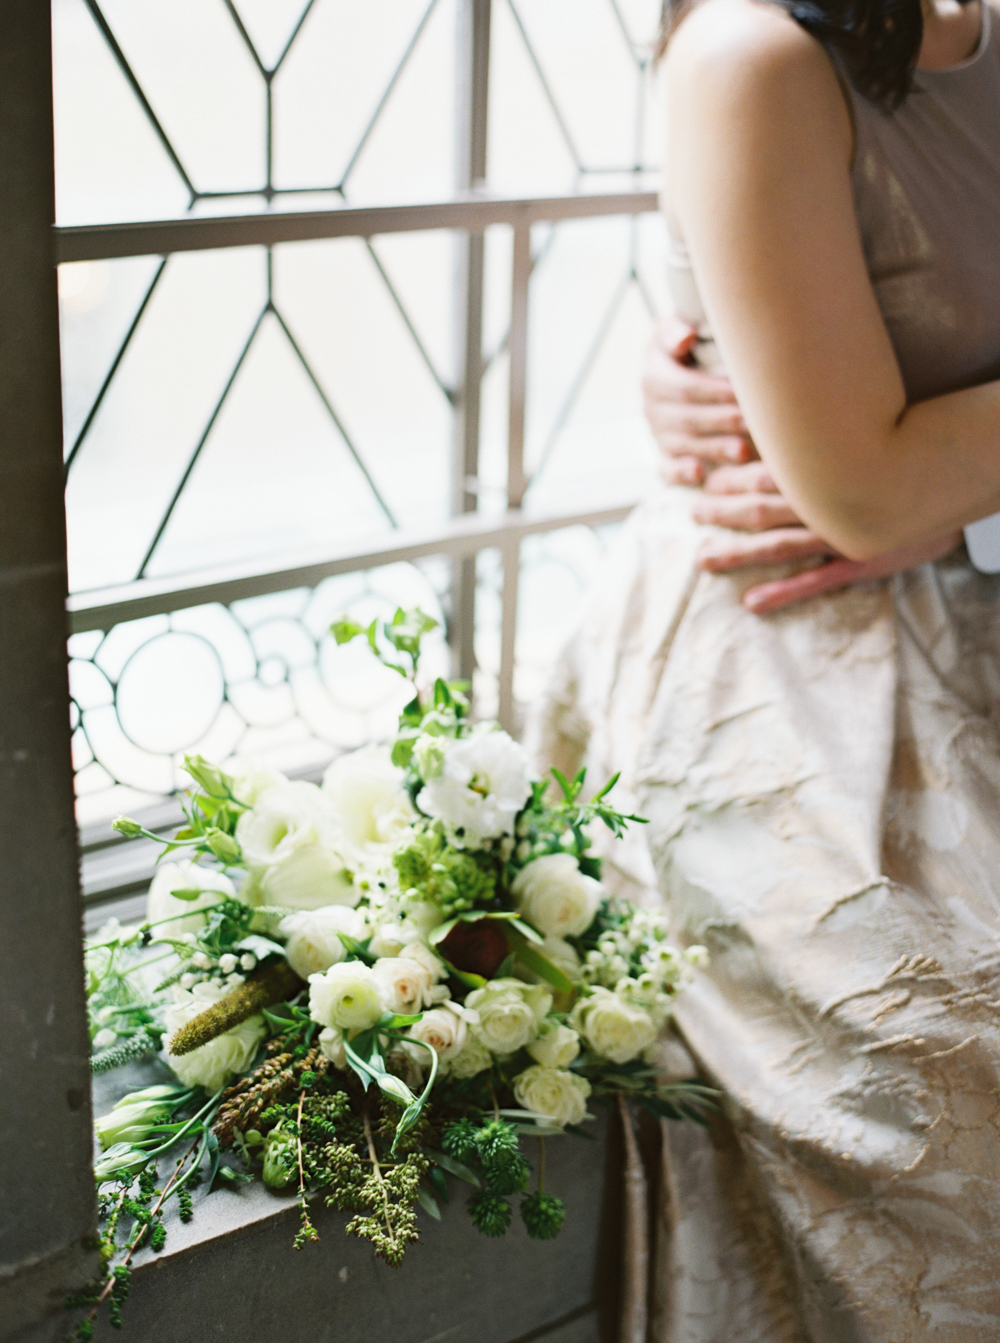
[
  {"x": 510, "y": 1013},
  {"x": 184, "y": 876},
  {"x": 371, "y": 805},
  {"x": 474, "y": 1058},
  {"x": 555, "y": 897},
  {"x": 483, "y": 784},
  {"x": 310, "y": 877},
  {"x": 406, "y": 983},
  {"x": 287, "y": 817},
  {"x": 331, "y": 1043},
  {"x": 313, "y": 937},
  {"x": 445, "y": 1032},
  {"x": 614, "y": 1029},
  {"x": 556, "y": 1047},
  {"x": 551, "y": 1091},
  {"x": 347, "y": 996},
  {"x": 211, "y": 1065},
  {"x": 251, "y": 779}
]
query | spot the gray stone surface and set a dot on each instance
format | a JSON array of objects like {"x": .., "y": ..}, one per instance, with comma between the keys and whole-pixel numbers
[
  {"x": 232, "y": 1272},
  {"x": 46, "y": 1192}
]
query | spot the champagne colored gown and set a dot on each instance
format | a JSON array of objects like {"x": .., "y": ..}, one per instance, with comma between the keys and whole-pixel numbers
[{"x": 823, "y": 788}]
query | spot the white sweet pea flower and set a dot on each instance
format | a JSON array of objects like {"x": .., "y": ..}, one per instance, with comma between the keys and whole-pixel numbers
[
  {"x": 251, "y": 779},
  {"x": 556, "y": 1047},
  {"x": 483, "y": 784},
  {"x": 406, "y": 983},
  {"x": 184, "y": 876},
  {"x": 313, "y": 937},
  {"x": 210, "y": 1065},
  {"x": 555, "y": 897},
  {"x": 287, "y": 819},
  {"x": 613, "y": 1028},
  {"x": 510, "y": 1013},
  {"x": 560, "y": 1095},
  {"x": 369, "y": 800},
  {"x": 331, "y": 1043},
  {"x": 445, "y": 1032},
  {"x": 347, "y": 996}
]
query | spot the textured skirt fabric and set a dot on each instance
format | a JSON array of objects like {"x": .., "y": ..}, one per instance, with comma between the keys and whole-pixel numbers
[{"x": 822, "y": 786}]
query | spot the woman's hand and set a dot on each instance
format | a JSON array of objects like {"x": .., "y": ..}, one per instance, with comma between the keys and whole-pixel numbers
[
  {"x": 697, "y": 424},
  {"x": 693, "y": 415}
]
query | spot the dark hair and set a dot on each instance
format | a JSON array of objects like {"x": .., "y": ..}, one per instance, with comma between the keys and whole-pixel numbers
[{"x": 876, "y": 41}]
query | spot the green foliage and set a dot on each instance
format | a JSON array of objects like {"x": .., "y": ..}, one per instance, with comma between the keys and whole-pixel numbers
[
  {"x": 490, "y": 1214},
  {"x": 511, "y": 1178},
  {"x": 543, "y": 1215},
  {"x": 403, "y": 634},
  {"x": 452, "y": 879},
  {"x": 460, "y": 1140},
  {"x": 497, "y": 1144}
]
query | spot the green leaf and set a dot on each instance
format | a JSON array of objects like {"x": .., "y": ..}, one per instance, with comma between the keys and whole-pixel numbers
[
  {"x": 429, "y": 1203},
  {"x": 439, "y": 933},
  {"x": 357, "y": 949},
  {"x": 188, "y": 894},
  {"x": 532, "y": 959},
  {"x": 394, "y": 1020},
  {"x": 524, "y": 929},
  {"x": 371, "y": 632},
  {"x": 453, "y": 1167},
  {"x": 364, "y": 1057},
  {"x": 345, "y": 630},
  {"x": 466, "y": 977}
]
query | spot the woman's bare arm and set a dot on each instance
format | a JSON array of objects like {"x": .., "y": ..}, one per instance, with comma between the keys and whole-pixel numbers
[{"x": 758, "y": 174}]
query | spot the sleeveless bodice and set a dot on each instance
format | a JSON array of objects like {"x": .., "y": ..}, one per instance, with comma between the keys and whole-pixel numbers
[{"x": 926, "y": 181}]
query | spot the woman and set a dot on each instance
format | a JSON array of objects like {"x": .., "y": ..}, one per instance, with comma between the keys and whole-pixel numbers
[{"x": 822, "y": 783}]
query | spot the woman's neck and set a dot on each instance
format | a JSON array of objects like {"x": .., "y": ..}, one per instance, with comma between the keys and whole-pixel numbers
[{"x": 951, "y": 33}]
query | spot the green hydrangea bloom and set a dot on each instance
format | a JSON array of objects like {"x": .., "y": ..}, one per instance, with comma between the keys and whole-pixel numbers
[{"x": 449, "y": 877}]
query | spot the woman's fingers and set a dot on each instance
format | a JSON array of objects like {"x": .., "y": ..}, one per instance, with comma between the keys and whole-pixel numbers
[
  {"x": 682, "y": 470},
  {"x": 750, "y": 478},
  {"x": 840, "y": 573},
  {"x": 722, "y": 554},
  {"x": 745, "y": 512}
]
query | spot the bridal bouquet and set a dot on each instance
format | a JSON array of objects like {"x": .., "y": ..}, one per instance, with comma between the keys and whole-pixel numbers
[{"x": 365, "y": 987}]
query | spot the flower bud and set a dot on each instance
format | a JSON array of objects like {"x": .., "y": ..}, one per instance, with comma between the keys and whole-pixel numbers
[
  {"x": 280, "y": 1158},
  {"x": 224, "y": 846},
  {"x": 428, "y": 754},
  {"x": 208, "y": 777},
  {"x": 126, "y": 826}
]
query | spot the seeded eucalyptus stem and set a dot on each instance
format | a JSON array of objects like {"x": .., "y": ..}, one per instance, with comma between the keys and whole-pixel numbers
[
  {"x": 273, "y": 984},
  {"x": 377, "y": 1171}
]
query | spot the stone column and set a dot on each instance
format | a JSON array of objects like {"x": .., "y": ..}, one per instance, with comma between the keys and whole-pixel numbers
[{"x": 46, "y": 1186}]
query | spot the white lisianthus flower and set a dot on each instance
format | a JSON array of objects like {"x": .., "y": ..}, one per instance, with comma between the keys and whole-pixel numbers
[
  {"x": 251, "y": 779},
  {"x": 556, "y": 1047},
  {"x": 371, "y": 805},
  {"x": 313, "y": 937},
  {"x": 347, "y": 996},
  {"x": 134, "y": 1115},
  {"x": 510, "y": 1013},
  {"x": 213, "y": 1064},
  {"x": 483, "y": 784},
  {"x": 555, "y": 897},
  {"x": 445, "y": 1032},
  {"x": 614, "y": 1029},
  {"x": 286, "y": 818},
  {"x": 560, "y": 1095},
  {"x": 331, "y": 1043},
  {"x": 309, "y": 878},
  {"x": 474, "y": 1058},
  {"x": 184, "y": 876},
  {"x": 406, "y": 983}
]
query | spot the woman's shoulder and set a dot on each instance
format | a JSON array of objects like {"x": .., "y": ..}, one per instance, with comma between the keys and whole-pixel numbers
[
  {"x": 738, "y": 57},
  {"x": 749, "y": 41}
]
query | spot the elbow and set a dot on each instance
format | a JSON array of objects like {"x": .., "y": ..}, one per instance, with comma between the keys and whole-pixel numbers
[{"x": 858, "y": 529}]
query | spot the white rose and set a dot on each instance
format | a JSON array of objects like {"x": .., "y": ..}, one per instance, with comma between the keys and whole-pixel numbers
[
  {"x": 445, "y": 1032},
  {"x": 368, "y": 797},
  {"x": 211, "y": 1065},
  {"x": 510, "y": 1013},
  {"x": 347, "y": 996},
  {"x": 405, "y": 983},
  {"x": 184, "y": 876},
  {"x": 614, "y": 1029},
  {"x": 483, "y": 784},
  {"x": 313, "y": 941},
  {"x": 331, "y": 1043},
  {"x": 474, "y": 1058},
  {"x": 555, "y": 897},
  {"x": 287, "y": 817},
  {"x": 251, "y": 779},
  {"x": 556, "y": 1047},
  {"x": 309, "y": 878},
  {"x": 560, "y": 1095},
  {"x": 415, "y": 950}
]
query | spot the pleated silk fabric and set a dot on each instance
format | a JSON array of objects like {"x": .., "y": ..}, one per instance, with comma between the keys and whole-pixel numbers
[{"x": 823, "y": 788}]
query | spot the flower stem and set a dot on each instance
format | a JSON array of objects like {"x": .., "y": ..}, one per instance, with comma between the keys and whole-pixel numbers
[{"x": 377, "y": 1170}]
